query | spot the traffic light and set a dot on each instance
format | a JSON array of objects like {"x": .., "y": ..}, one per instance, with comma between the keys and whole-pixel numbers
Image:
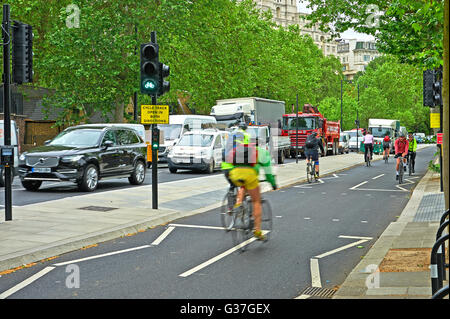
[
  {"x": 22, "y": 53},
  {"x": 437, "y": 92},
  {"x": 432, "y": 88},
  {"x": 150, "y": 69},
  {"x": 164, "y": 85},
  {"x": 155, "y": 138}
]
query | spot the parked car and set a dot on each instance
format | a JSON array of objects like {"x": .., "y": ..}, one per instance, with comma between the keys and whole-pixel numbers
[
  {"x": 344, "y": 139},
  {"x": 85, "y": 154},
  {"x": 198, "y": 150},
  {"x": 15, "y": 144}
]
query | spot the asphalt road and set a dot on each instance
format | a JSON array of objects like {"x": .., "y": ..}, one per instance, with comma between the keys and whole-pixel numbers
[{"x": 321, "y": 232}]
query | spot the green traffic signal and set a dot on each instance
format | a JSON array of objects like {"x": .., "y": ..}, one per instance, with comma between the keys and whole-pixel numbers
[{"x": 149, "y": 68}]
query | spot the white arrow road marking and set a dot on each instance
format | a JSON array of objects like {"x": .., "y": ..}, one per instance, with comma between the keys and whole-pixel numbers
[
  {"x": 314, "y": 262},
  {"x": 26, "y": 282},
  {"x": 163, "y": 235}
]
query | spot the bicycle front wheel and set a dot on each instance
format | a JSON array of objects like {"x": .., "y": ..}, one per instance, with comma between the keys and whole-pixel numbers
[
  {"x": 226, "y": 210},
  {"x": 400, "y": 174},
  {"x": 242, "y": 226},
  {"x": 266, "y": 218}
]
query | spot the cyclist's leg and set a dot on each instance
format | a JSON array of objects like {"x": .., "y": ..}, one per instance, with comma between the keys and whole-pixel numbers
[
  {"x": 255, "y": 195},
  {"x": 315, "y": 158},
  {"x": 371, "y": 151},
  {"x": 413, "y": 160}
]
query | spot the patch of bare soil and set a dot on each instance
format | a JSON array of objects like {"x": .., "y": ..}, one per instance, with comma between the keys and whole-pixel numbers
[{"x": 406, "y": 260}]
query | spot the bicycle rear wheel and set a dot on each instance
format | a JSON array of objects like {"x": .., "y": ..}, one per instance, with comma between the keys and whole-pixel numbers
[
  {"x": 309, "y": 172},
  {"x": 266, "y": 219},
  {"x": 226, "y": 210},
  {"x": 242, "y": 225}
]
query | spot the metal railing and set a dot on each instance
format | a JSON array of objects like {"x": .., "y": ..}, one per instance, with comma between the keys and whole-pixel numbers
[{"x": 438, "y": 265}]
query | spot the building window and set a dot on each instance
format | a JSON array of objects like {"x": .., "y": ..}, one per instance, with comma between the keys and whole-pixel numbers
[
  {"x": 278, "y": 12},
  {"x": 366, "y": 58}
]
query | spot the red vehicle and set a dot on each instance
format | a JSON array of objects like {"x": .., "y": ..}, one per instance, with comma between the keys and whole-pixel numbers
[{"x": 310, "y": 120}]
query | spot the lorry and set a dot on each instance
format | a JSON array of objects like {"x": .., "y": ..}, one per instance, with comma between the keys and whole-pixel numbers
[
  {"x": 248, "y": 110},
  {"x": 380, "y": 128},
  {"x": 311, "y": 120},
  {"x": 269, "y": 138}
]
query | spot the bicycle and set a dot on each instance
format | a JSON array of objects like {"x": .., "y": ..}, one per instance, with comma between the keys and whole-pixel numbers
[
  {"x": 226, "y": 212},
  {"x": 310, "y": 171},
  {"x": 243, "y": 221},
  {"x": 400, "y": 170},
  {"x": 386, "y": 158}
]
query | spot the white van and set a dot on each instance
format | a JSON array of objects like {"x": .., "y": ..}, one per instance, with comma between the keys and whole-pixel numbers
[
  {"x": 15, "y": 144},
  {"x": 179, "y": 124},
  {"x": 198, "y": 150}
]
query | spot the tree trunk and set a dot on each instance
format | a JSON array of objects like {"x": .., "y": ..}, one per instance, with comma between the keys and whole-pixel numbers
[
  {"x": 118, "y": 114},
  {"x": 445, "y": 97}
]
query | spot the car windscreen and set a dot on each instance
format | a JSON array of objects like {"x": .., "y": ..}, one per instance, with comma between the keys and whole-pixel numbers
[
  {"x": 77, "y": 138},
  {"x": 201, "y": 140},
  {"x": 304, "y": 123},
  {"x": 381, "y": 133},
  {"x": 353, "y": 134},
  {"x": 170, "y": 131}
]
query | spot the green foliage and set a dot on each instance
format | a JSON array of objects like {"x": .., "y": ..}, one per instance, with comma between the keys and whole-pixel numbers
[
  {"x": 410, "y": 30},
  {"x": 215, "y": 49}
]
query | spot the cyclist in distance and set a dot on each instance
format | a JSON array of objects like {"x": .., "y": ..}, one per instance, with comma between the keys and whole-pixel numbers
[
  {"x": 401, "y": 149},
  {"x": 386, "y": 146},
  {"x": 247, "y": 159},
  {"x": 412, "y": 150},
  {"x": 368, "y": 144},
  {"x": 312, "y": 146}
]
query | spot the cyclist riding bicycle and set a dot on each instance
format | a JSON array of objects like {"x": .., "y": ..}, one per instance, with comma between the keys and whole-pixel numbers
[
  {"x": 368, "y": 144},
  {"x": 412, "y": 150},
  {"x": 247, "y": 159},
  {"x": 312, "y": 145},
  {"x": 386, "y": 146},
  {"x": 401, "y": 149}
]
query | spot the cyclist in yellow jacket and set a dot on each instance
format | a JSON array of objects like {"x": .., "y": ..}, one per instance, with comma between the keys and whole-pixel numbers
[{"x": 412, "y": 150}]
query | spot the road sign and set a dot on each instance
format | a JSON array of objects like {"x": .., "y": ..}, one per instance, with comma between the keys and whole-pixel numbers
[
  {"x": 439, "y": 137},
  {"x": 435, "y": 120},
  {"x": 154, "y": 114}
]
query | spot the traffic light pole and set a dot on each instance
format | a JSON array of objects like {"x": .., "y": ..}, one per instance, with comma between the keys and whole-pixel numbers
[
  {"x": 154, "y": 152},
  {"x": 6, "y": 106}
]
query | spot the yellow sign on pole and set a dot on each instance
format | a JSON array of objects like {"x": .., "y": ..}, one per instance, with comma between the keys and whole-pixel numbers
[
  {"x": 435, "y": 120},
  {"x": 154, "y": 114}
]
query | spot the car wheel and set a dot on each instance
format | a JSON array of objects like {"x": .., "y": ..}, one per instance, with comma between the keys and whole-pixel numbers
[
  {"x": 172, "y": 170},
  {"x": 210, "y": 168},
  {"x": 89, "y": 181},
  {"x": 31, "y": 185},
  {"x": 138, "y": 175}
]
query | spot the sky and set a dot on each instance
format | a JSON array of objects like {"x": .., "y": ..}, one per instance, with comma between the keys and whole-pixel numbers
[{"x": 349, "y": 34}]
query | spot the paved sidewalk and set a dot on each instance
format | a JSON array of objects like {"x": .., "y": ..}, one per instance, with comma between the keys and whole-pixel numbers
[
  {"x": 382, "y": 273},
  {"x": 49, "y": 229}
]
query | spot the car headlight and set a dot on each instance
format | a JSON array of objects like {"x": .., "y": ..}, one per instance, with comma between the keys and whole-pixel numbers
[
  {"x": 71, "y": 158},
  {"x": 22, "y": 157}
]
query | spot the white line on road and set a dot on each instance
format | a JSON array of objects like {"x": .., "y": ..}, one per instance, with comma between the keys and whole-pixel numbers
[
  {"x": 163, "y": 235},
  {"x": 26, "y": 282},
  {"x": 360, "y": 184},
  {"x": 341, "y": 248},
  {"x": 218, "y": 257},
  {"x": 303, "y": 297},
  {"x": 355, "y": 237},
  {"x": 197, "y": 226},
  {"x": 378, "y": 176},
  {"x": 102, "y": 255},
  {"x": 381, "y": 190},
  {"x": 315, "y": 273}
]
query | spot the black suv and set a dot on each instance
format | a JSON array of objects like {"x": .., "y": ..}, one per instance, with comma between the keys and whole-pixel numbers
[{"x": 84, "y": 155}]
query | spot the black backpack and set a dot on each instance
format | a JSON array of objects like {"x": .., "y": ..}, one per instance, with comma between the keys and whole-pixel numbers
[{"x": 311, "y": 141}]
